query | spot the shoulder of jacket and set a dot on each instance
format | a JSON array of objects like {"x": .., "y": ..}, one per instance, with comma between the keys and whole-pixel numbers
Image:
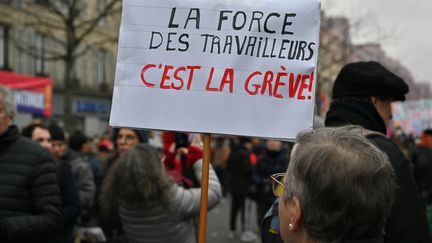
[
  {"x": 386, "y": 145},
  {"x": 379, "y": 139},
  {"x": 178, "y": 194},
  {"x": 80, "y": 164},
  {"x": 26, "y": 146},
  {"x": 370, "y": 134}
]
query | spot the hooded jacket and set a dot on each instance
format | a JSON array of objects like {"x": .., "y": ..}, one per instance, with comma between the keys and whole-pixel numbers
[{"x": 30, "y": 203}]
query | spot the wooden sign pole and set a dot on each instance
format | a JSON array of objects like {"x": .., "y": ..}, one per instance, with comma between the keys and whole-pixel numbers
[{"x": 204, "y": 189}]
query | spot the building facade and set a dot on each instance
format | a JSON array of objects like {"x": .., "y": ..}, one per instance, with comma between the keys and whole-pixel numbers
[
  {"x": 34, "y": 41},
  {"x": 334, "y": 49}
]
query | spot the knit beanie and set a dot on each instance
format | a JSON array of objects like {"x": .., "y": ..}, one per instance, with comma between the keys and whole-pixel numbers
[
  {"x": 142, "y": 134},
  {"x": 57, "y": 133},
  {"x": 369, "y": 79}
]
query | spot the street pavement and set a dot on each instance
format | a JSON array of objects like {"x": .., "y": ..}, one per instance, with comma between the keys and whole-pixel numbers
[{"x": 218, "y": 223}]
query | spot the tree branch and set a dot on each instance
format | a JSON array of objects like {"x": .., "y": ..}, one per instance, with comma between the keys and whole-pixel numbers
[
  {"x": 54, "y": 9},
  {"x": 96, "y": 21},
  {"x": 33, "y": 52},
  {"x": 93, "y": 45}
]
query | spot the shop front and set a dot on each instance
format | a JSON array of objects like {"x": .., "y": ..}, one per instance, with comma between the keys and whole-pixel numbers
[
  {"x": 33, "y": 96},
  {"x": 94, "y": 114},
  {"x": 90, "y": 113}
]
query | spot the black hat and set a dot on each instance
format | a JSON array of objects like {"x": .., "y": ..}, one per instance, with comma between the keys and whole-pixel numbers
[
  {"x": 77, "y": 140},
  {"x": 369, "y": 79},
  {"x": 57, "y": 133},
  {"x": 244, "y": 140}
]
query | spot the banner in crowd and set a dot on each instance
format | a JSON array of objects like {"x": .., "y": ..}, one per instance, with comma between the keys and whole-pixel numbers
[
  {"x": 413, "y": 116},
  {"x": 226, "y": 67},
  {"x": 32, "y": 94}
]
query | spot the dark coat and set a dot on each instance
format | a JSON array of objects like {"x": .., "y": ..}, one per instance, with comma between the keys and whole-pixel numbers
[
  {"x": 270, "y": 162},
  {"x": 422, "y": 167},
  {"x": 70, "y": 196},
  {"x": 375, "y": 240},
  {"x": 407, "y": 221},
  {"x": 241, "y": 171},
  {"x": 30, "y": 203},
  {"x": 70, "y": 202},
  {"x": 83, "y": 175}
]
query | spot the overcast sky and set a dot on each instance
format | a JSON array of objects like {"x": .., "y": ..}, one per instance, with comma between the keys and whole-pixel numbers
[{"x": 404, "y": 29}]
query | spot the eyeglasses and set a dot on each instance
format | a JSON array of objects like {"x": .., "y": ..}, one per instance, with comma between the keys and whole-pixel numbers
[{"x": 278, "y": 184}]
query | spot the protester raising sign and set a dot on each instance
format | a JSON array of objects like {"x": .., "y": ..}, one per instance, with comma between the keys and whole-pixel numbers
[{"x": 228, "y": 67}]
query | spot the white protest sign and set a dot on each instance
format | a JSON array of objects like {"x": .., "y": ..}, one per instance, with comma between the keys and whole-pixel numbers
[{"x": 224, "y": 67}]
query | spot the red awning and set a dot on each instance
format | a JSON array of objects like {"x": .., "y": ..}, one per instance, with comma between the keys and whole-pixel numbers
[{"x": 33, "y": 94}]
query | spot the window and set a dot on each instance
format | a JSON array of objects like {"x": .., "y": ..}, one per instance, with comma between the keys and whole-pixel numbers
[
  {"x": 22, "y": 59},
  {"x": 84, "y": 9},
  {"x": 84, "y": 70},
  {"x": 39, "y": 54},
  {"x": 101, "y": 66},
  {"x": 4, "y": 31},
  {"x": 55, "y": 68},
  {"x": 102, "y": 5},
  {"x": 42, "y": 2},
  {"x": 18, "y": 3}
]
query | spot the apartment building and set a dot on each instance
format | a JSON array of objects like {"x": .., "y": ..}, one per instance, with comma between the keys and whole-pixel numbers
[{"x": 33, "y": 46}]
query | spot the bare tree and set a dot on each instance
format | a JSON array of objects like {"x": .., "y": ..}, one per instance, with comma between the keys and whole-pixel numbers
[
  {"x": 336, "y": 46},
  {"x": 334, "y": 49},
  {"x": 71, "y": 24}
]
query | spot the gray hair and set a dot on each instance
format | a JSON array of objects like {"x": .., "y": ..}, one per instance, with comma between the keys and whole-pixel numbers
[
  {"x": 345, "y": 184},
  {"x": 8, "y": 101},
  {"x": 140, "y": 178}
]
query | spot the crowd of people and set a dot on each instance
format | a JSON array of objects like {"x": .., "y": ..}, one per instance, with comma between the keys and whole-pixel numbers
[
  {"x": 340, "y": 183},
  {"x": 57, "y": 187}
]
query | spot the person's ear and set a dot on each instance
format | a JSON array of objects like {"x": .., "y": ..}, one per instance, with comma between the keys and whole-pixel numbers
[
  {"x": 295, "y": 214},
  {"x": 374, "y": 100}
]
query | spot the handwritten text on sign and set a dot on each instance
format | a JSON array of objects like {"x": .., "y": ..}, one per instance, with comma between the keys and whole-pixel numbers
[{"x": 218, "y": 68}]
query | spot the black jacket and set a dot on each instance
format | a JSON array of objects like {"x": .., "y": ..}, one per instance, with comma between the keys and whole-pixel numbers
[
  {"x": 422, "y": 166},
  {"x": 30, "y": 204},
  {"x": 70, "y": 197},
  {"x": 269, "y": 162},
  {"x": 70, "y": 202},
  {"x": 83, "y": 175},
  {"x": 241, "y": 171},
  {"x": 407, "y": 221},
  {"x": 375, "y": 240}
]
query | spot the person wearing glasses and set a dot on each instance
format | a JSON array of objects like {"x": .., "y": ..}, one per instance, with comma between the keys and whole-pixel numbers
[
  {"x": 338, "y": 188},
  {"x": 125, "y": 139}
]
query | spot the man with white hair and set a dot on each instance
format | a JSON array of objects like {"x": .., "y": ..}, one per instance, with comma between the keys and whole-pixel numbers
[{"x": 31, "y": 209}]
